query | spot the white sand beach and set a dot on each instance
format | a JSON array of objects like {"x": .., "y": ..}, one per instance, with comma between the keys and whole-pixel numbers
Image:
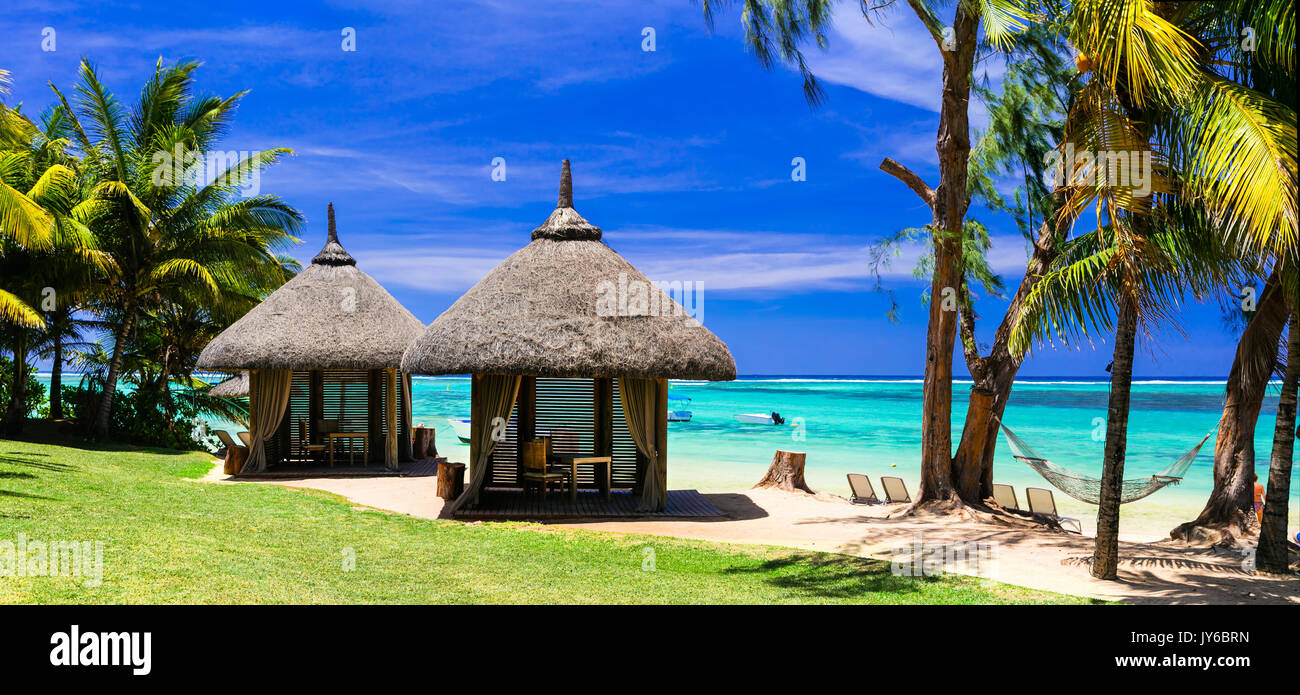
[{"x": 1150, "y": 572}]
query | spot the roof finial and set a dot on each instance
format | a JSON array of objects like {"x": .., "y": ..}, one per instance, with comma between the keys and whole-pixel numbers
[
  {"x": 333, "y": 252},
  {"x": 566, "y": 186}
]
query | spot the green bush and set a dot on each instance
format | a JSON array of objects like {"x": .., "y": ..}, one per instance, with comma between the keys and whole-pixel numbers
[
  {"x": 139, "y": 418},
  {"x": 35, "y": 390}
]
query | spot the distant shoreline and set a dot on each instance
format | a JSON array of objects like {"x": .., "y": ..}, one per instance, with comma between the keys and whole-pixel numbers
[{"x": 853, "y": 378}]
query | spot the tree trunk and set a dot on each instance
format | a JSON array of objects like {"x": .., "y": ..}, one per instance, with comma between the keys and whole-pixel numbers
[
  {"x": 16, "y": 413},
  {"x": 56, "y": 381},
  {"x": 951, "y": 200},
  {"x": 1229, "y": 510},
  {"x": 102, "y": 419},
  {"x": 994, "y": 376},
  {"x": 1273, "y": 554},
  {"x": 1105, "y": 557},
  {"x": 786, "y": 472}
]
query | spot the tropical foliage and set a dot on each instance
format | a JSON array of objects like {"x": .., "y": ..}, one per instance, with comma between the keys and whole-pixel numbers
[{"x": 127, "y": 224}]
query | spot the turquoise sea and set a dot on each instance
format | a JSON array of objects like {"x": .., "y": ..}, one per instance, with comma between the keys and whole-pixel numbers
[{"x": 872, "y": 425}]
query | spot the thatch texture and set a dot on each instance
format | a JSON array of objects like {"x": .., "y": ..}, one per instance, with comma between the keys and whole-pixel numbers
[
  {"x": 234, "y": 387},
  {"x": 330, "y": 316},
  {"x": 545, "y": 311}
]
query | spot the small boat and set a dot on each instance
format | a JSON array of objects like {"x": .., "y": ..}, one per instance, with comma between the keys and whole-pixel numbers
[
  {"x": 678, "y": 415},
  {"x": 461, "y": 426},
  {"x": 772, "y": 418}
]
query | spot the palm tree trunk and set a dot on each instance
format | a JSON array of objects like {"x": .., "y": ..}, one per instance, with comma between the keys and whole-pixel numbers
[
  {"x": 1273, "y": 554},
  {"x": 16, "y": 413},
  {"x": 1229, "y": 507},
  {"x": 102, "y": 419},
  {"x": 1105, "y": 556},
  {"x": 951, "y": 199},
  {"x": 56, "y": 381}
]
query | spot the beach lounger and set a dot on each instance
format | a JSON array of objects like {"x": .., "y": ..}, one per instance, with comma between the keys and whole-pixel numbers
[
  {"x": 895, "y": 490},
  {"x": 244, "y": 437},
  {"x": 1042, "y": 502},
  {"x": 861, "y": 489},
  {"x": 235, "y": 454},
  {"x": 1005, "y": 496}
]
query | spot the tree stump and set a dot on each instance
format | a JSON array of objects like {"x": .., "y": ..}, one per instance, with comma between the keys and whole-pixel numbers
[
  {"x": 235, "y": 458},
  {"x": 423, "y": 443},
  {"x": 786, "y": 472},
  {"x": 451, "y": 480}
]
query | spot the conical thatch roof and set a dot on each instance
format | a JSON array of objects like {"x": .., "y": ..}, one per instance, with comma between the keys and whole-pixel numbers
[
  {"x": 234, "y": 387},
  {"x": 330, "y": 316},
  {"x": 547, "y": 311}
]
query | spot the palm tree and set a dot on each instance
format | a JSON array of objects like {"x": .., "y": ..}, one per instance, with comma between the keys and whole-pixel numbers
[
  {"x": 1223, "y": 177},
  {"x": 43, "y": 276},
  {"x": 170, "y": 234},
  {"x": 61, "y": 335},
  {"x": 1272, "y": 554},
  {"x": 774, "y": 31}
]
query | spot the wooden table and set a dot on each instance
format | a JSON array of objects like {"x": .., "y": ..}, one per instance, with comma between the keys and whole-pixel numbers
[
  {"x": 602, "y": 471},
  {"x": 352, "y": 452}
]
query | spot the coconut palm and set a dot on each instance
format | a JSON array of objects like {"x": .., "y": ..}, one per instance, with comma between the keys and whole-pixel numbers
[
  {"x": 51, "y": 274},
  {"x": 1222, "y": 171},
  {"x": 171, "y": 232}
]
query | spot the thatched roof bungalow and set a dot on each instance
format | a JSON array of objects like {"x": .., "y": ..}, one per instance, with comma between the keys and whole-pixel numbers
[
  {"x": 323, "y": 354},
  {"x": 567, "y": 339},
  {"x": 234, "y": 387}
]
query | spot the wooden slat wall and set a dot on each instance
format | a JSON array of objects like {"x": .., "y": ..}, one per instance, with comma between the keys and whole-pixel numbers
[
  {"x": 566, "y": 409},
  {"x": 344, "y": 396}
]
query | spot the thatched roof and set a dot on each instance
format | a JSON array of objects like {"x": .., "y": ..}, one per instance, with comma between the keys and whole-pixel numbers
[
  {"x": 546, "y": 311},
  {"x": 234, "y": 387},
  {"x": 330, "y": 316}
]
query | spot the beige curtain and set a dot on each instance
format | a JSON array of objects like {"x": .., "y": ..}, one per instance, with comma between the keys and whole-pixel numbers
[
  {"x": 390, "y": 419},
  {"x": 406, "y": 414},
  {"x": 640, "y": 402},
  {"x": 268, "y": 399},
  {"x": 493, "y": 397}
]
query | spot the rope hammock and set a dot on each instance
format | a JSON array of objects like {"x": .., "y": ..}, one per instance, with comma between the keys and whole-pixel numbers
[{"x": 1086, "y": 489}]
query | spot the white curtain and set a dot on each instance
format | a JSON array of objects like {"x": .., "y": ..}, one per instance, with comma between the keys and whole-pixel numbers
[
  {"x": 493, "y": 397},
  {"x": 640, "y": 405},
  {"x": 268, "y": 399}
]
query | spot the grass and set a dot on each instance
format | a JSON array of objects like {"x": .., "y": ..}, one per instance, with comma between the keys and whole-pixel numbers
[{"x": 169, "y": 539}]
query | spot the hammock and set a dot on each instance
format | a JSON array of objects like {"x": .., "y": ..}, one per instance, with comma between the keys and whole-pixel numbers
[{"x": 1086, "y": 489}]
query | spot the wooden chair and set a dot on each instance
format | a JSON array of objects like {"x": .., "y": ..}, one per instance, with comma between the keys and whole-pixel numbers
[
  {"x": 536, "y": 473},
  {"x": 306, "y": 449}
]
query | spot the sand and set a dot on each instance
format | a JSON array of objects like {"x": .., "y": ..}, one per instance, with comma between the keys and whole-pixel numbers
[{"x": 1021, "y": 554}]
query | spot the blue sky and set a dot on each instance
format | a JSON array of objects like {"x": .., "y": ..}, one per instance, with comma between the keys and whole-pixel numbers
[{"x": 682, "y": 155}]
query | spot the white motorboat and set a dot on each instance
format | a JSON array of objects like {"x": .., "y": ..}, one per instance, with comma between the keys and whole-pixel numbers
[
  {"x": 772, "y": 418},
  {"x": 678, "y": 415},
  {"x": 461, "y": 426}
]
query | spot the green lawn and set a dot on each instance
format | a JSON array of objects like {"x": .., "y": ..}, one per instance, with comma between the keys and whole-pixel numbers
[{"x": 172, "y": 540}]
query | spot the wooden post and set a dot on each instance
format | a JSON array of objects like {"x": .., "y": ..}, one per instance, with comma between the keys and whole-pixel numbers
[
  {"x": 603, "y": 411},
  {"x": 404, "y": 421},
  {"x": 374, "y": 409},
  {"x": 786, "y": 472},
  {"x": 390, "y": 414},
  {"x": 315, "y": 406}
]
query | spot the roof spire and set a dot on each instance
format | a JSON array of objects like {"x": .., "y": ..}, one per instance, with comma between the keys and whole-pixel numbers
[
  {"x": 566, "y": 186},
  {"x": 333, "y": 252}
]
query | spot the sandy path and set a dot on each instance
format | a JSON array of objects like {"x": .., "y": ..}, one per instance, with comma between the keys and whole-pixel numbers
[{"x": 1161, "y": 572}]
